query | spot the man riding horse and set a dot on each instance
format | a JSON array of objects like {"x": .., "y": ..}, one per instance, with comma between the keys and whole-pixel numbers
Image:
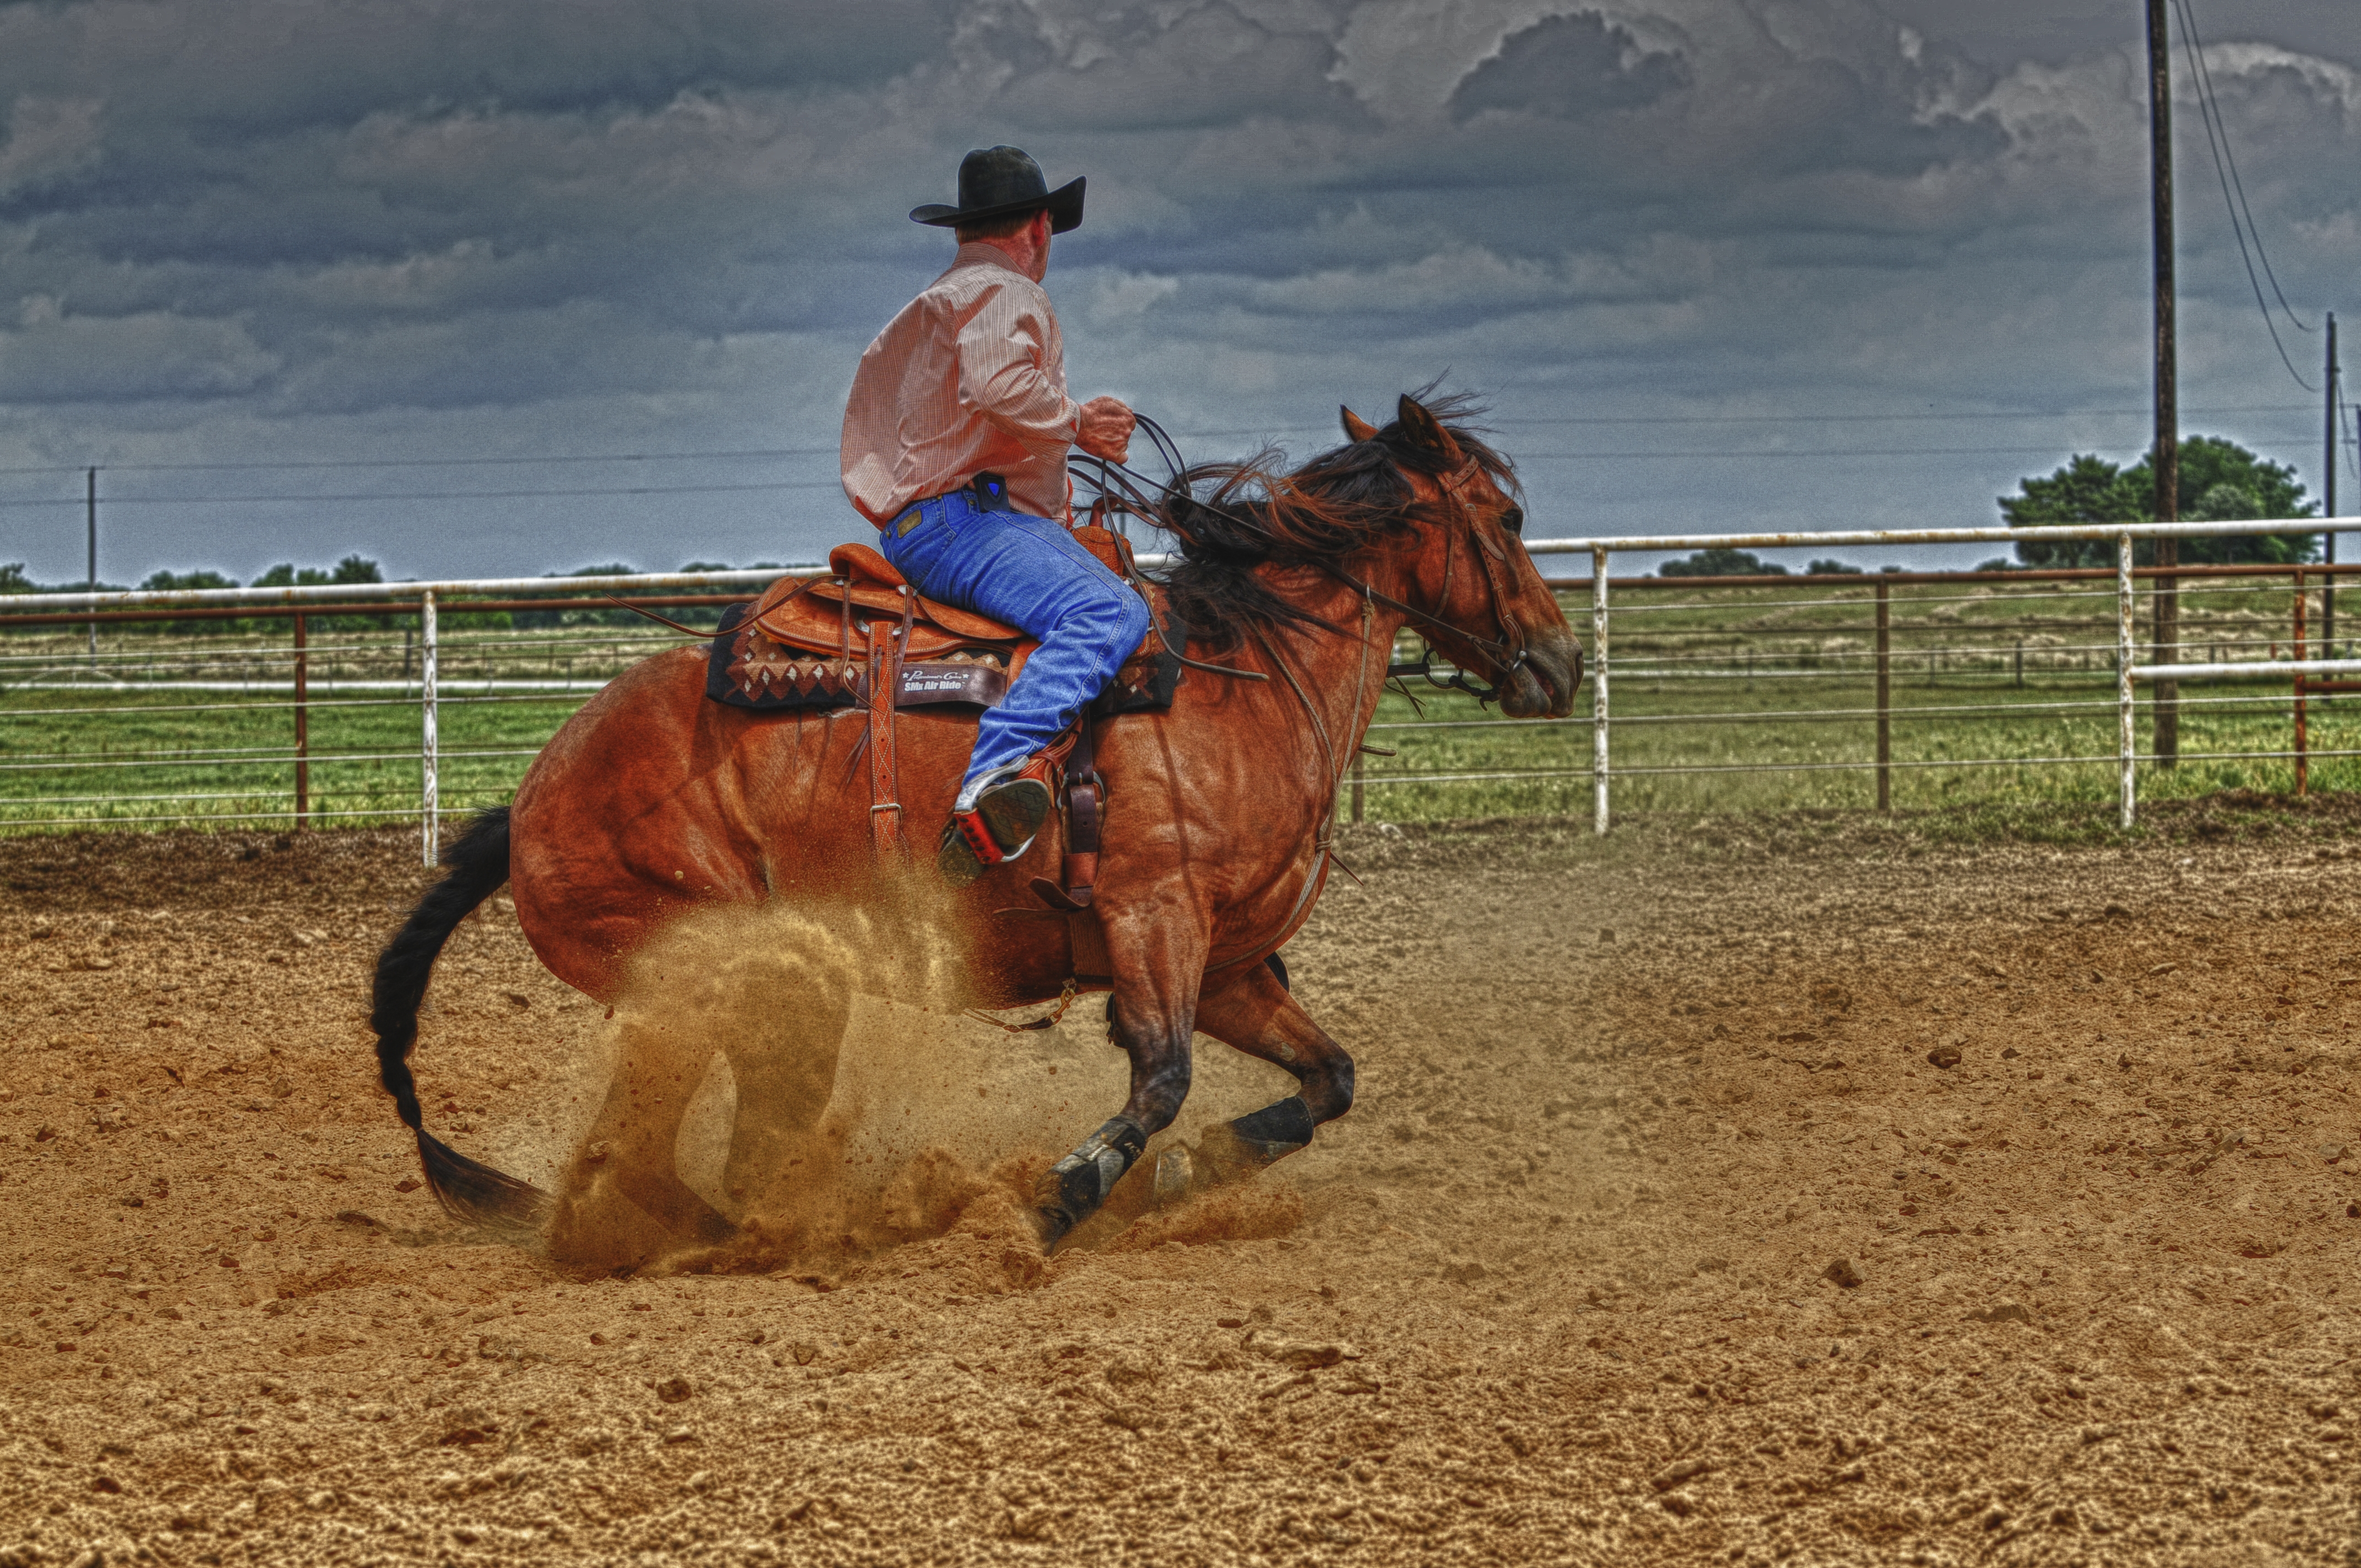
[
  {"x": 955, "y": 443},
  {"x": 662, "y": 794}
]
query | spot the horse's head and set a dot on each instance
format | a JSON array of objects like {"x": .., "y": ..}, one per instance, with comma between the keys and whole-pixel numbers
[{"x": 1472, "y": 590}]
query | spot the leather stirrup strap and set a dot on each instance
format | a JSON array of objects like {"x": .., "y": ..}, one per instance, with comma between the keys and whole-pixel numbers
[
  {"x": 1086, "y": 817},
  {"x": 885, "y": 775}
]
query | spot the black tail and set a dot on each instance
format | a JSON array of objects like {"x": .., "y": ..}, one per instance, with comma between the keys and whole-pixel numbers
[{"x": 476, "y": 864}]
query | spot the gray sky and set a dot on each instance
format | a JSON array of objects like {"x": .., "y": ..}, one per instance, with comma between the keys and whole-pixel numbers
[{"x": 1717, "y": 264}]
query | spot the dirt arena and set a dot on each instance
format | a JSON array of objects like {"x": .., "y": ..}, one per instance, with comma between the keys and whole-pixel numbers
[{"x": 1662, "y": 1233}]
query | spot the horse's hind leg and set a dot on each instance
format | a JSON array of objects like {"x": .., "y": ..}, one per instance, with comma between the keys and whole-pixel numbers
[
  {"x": 629, "y": 1155},
  {"x": 1255, "y": 1014},
  {"x": 785, "y": 1082}
]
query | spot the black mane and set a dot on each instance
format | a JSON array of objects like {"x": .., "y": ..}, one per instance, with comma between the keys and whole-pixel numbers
[{"x": 1232, "y": 517}]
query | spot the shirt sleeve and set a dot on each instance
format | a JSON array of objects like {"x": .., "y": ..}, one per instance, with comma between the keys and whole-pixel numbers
[{"x": 1005, "y": 372}]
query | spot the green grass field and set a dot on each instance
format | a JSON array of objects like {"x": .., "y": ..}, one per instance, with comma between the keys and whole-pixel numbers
[{"x": 1723, "y": 701}]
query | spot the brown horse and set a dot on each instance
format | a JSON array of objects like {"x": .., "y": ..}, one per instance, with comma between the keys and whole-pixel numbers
[{"x": 654, "y": 800}]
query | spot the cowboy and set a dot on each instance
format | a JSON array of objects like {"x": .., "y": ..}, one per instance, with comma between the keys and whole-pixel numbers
[{"x": 955, "y": 442}]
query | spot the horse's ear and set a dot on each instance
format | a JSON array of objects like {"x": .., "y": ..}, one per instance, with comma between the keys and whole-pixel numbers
[
  {"x": 1357, "y": 428},
  {"x": 1424, "y": 430}
]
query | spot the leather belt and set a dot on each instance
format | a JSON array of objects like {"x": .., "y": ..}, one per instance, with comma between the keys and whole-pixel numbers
[{"x": 989, "y": 491}]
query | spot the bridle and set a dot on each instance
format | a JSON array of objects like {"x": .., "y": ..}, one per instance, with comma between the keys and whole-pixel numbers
[{"x": 1506, "y": 655}]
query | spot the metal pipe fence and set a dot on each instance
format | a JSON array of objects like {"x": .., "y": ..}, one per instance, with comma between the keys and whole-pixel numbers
[{"x": 144, "y": 706}]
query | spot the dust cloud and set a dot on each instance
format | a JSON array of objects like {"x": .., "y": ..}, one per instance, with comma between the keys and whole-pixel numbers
[{"x": 810, "y": 1073}]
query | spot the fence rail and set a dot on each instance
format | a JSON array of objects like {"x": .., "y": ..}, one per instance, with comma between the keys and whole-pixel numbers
[{"x": 1638, "y": 645}]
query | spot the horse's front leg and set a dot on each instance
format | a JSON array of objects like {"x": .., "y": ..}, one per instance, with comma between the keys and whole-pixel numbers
[
  {"x": 1151, "y": 1015},
  {"x": 1255, "y": 1014}
]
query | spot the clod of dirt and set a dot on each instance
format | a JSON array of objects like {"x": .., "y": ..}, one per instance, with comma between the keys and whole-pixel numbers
[
  {"x": 1687, "y": 1470},
  {"x": 1842, "y": 1272},
  {"x": 1944, "y": 1055},
  {"x": 673, "y": 1390},
  {"x": 2002, "y": 1312},
  {"x": 804, "y": 1351},
  {"x": 1300, "y": 1354}
]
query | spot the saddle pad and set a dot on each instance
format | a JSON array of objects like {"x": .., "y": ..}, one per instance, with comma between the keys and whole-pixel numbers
[{"x": 747, "y": 669}]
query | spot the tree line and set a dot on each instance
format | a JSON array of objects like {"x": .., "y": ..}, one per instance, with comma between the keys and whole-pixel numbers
[
  {"x": 356, "y": 569},
  {"x": 2220, "y": 482}
]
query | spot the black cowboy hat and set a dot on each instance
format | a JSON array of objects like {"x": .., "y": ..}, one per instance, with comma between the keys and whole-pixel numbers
[{"x": 1000, "y": 182}]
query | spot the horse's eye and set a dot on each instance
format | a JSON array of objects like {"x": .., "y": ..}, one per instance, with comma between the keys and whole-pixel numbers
[{"x": 1513, "y": 519}]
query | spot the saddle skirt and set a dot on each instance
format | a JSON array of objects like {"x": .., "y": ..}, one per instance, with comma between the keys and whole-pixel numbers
[{"x": 818, "y": 642}]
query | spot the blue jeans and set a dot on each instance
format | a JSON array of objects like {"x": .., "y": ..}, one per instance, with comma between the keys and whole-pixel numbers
[{"x": 1034, "y": 575}]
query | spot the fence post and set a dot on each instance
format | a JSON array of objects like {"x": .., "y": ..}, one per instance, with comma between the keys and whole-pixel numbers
[
  {"x": 303, "y": 729},
  {"x": 1885, "y": 701},
  {"x": 1599, "y": 684},
  {"x": 2302, "y": 759},
  {"x": 2123, "y": 672},
  {"x": 430, "y": 785}
]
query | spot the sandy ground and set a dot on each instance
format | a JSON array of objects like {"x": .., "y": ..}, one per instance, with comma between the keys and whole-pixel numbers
[{"x": 1559, "y": 1289}]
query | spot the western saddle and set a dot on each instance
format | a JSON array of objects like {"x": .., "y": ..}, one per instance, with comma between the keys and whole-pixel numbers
[{"x": 860, "y": 636}]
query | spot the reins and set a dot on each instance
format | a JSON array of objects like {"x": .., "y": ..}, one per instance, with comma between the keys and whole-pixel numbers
[{"x": 1323, "y": 841}]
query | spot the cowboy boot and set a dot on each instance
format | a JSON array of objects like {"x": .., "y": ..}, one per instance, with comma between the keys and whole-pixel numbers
[{"x": 995, "y": 820}]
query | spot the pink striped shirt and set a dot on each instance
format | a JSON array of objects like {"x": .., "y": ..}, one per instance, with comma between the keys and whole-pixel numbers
[{"x": 968, "y": 378}]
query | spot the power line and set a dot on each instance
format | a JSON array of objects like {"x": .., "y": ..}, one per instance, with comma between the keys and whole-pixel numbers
[
  {"x": 443, "y": 495},
  {"x": 765, "y": 454},
  {"x": 757, "y": 453},
  {"x": 1876, "y": 419},
  {"x": 348, "y": 498},
  {"x": 2205, "y": 80},
  {"x": 2217, "y": 140}
]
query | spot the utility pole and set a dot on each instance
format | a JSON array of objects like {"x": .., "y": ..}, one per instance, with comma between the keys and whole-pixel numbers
[
  {"x": 2168, "y": 412},
  {"x": 89, "y": 507},
  {"x": 2328, "y": 496}
]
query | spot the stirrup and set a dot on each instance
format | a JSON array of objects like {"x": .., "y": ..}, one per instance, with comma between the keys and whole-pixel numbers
[{"x": 999, "y": 827}]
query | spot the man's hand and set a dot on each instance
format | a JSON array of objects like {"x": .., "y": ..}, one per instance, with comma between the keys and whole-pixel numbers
[{"x": 1104, "y": 429}]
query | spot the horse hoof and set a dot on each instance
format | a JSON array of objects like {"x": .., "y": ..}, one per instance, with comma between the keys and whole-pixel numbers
[
  {"x": 1051, "y": 1225},
  {"x": 1176, "y": 1175}
]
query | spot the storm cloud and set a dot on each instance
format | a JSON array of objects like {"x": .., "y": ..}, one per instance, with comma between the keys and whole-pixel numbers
[{"x": 1698, "y": 254}]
